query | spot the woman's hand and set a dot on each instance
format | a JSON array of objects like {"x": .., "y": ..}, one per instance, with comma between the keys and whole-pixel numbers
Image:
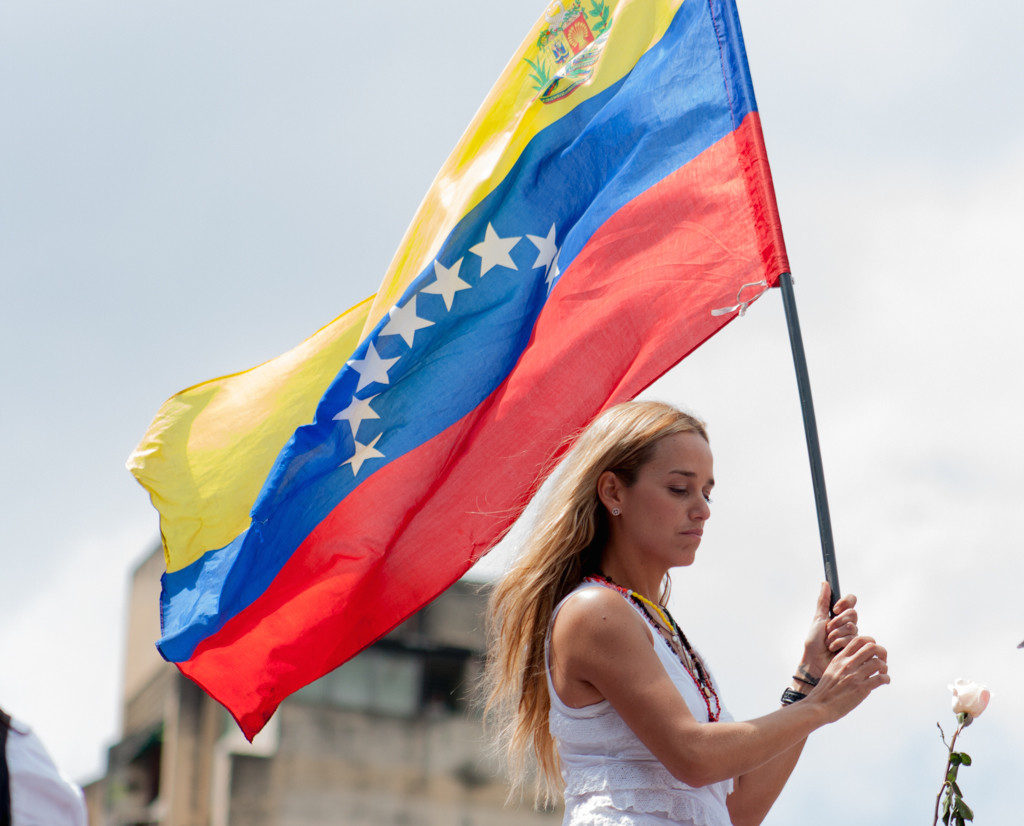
[
  {"x": 828, "y": 636},
  {"x": 856, "y": 671}
]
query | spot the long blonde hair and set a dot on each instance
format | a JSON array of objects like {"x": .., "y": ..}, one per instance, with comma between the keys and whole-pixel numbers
[{"x": 565, "y": 545}]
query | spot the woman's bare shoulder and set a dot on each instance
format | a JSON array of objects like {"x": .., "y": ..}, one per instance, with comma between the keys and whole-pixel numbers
[
  {"x": 593, "y": 603},
  {"x": 594, "y": 627},
  {"x": 599, "y": 615}
]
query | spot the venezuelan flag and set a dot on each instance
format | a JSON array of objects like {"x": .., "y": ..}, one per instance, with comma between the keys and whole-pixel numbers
[{"x": 611, "y": 192}]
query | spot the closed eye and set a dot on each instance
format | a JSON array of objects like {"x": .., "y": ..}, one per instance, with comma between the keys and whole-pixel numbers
[{"x": 685, "y": 492}]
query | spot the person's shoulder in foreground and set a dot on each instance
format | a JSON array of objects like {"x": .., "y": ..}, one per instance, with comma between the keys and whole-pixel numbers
[{"x": 40, "y": 794}]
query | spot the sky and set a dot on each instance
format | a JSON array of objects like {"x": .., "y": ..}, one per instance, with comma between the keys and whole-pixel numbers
[{"x": 189, "y": 189}]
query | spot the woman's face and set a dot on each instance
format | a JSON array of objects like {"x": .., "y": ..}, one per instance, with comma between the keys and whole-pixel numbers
[{"x": 664, "y": 511}]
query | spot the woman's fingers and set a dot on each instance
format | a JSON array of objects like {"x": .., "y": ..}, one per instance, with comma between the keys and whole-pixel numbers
[
  {"x": 863, "y": 648},
  {"x": 838, "y": 636},
  {"x": 844, "y": 603},
  {"x": 859, "y": 660},
  {"x": 864, "y": 664},
  {"x": 874, "y": 672},
  {"x": 845, "y": 616},
  {"x": 860, "y": 668},
  {"x": 842, "y": 628}
]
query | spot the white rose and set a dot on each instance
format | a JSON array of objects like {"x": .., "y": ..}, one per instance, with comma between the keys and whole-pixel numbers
[{"x": 969, "y": 698}]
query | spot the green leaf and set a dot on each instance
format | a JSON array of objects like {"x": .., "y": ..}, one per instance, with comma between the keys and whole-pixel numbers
[
  {"x": 541, "y": 75},
  {"x": 963, "y": 811},
  {"x": 954, "y": 759},
  {"x": 945, "y": 809},
  {"x": 600, "y": 11},
  {"x": 951, "y": 774},
  {"x": 956, "y": 790},
  {"x": 965, "y": 758}
]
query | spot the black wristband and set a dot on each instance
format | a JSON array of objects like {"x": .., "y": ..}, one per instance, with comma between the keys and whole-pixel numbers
[
  {"x": 808, "y": 680},
  {"x": 790, "y": 696}
]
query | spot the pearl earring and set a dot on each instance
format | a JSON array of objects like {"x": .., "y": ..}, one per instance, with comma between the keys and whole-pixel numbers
[{"x": 616, "y": 511}]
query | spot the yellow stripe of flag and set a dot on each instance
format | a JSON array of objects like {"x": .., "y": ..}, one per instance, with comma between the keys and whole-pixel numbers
[{"x": 210, "y": 448}]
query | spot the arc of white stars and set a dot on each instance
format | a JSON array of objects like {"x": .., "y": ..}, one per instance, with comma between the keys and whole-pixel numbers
[
  {"x": 372, "y": 368},
  {"x": 546, "y": 248},
  {"x": 356, "y": 413},
  {"x": 363, "y": 453},
  {"x": 448, "y": 282},
  {"x": 404, "y": 322},
  {"x": 495, "y": 251}
]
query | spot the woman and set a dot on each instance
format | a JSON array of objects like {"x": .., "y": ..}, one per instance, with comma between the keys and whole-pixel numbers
[{"x": 590, "y": 673}]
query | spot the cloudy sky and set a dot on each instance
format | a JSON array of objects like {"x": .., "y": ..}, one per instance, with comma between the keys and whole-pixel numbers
[{"x": 189, "y": 189}]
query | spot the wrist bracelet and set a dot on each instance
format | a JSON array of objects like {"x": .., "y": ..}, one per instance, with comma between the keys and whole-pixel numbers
[
  {"x": 809, "y": 680},
  {"x": 790, "y": 696}
]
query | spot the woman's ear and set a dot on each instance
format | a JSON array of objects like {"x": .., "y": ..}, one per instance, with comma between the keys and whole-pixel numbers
[{"x": 609, "y": 490}]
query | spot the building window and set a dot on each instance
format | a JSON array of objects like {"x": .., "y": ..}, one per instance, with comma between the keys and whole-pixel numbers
[{"x": 375, "y": 681}]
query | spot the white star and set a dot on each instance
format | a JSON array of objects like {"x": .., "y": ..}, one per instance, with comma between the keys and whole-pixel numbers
[
  {"x": 546, "y": 249},
  {"x": 448, "y": 282},
  {"x": 404, "y": 322},
  {"x": 372, "y": 368},
  {"x": 495, "y": 251},
  {"x": 362, "y": 454},
  {"x": 357, "y": 411}
]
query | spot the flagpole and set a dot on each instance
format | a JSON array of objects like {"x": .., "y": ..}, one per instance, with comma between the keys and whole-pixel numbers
[{"x": 828, "y": 551}]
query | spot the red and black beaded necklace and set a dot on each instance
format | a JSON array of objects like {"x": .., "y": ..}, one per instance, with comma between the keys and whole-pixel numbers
[{"x": 682, "y": 649}]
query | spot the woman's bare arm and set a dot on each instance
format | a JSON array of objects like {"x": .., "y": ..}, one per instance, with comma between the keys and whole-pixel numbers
[{"x": 600, "y": 643}]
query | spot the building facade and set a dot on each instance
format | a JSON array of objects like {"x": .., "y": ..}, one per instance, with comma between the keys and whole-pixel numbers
[{"x": 391, "y": 738}]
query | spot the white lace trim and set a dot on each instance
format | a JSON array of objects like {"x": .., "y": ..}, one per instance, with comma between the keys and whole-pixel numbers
[
  {"x": 616, "y": 776},
  {"x": 643, "y": 807}
]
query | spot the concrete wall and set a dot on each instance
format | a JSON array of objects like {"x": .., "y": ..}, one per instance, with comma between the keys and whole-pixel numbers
[{"x": 335, "y": 766}]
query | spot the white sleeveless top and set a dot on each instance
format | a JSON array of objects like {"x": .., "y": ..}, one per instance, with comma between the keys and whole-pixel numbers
[{"x": 611, "y": 778}]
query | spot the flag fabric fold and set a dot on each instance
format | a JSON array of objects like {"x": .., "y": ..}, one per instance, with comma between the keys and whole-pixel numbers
[{"x": 611, "y": 192}]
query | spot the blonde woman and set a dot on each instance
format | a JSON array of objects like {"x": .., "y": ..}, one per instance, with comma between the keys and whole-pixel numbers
[{"x": 589, "y": 672}]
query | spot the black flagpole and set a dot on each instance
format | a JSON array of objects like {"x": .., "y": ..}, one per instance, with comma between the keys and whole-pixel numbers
[{"x": 828, "y": 551}]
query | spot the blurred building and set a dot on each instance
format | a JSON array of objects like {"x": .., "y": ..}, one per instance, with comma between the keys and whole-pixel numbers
[{"x": 387, "y": 739}]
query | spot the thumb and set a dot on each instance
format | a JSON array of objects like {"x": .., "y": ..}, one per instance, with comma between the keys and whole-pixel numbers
[{"x": 824, "y": 601}]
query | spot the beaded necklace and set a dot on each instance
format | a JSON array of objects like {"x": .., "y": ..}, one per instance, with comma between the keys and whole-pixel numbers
[{"x": 681, "y": 647}]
